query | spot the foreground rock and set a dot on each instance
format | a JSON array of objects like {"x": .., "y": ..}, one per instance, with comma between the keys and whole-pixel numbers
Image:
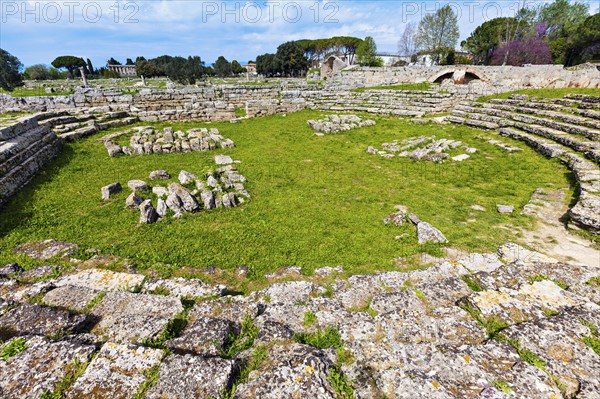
[
  {"x": 512, "y": 324},
  {"x": 47, "y": 249}
]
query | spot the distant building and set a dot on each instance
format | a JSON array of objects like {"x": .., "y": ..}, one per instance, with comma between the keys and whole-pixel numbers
[
  {"x": 250, "y": 67},
  {"x": 123, "y": 70},
  {"x": 390, "y": 59}
]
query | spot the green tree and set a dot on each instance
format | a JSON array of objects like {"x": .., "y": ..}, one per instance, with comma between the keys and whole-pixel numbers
[
  {"x": 268, "y": 65},
  {"x": 438, "y": 32},
  {"x": 222, "y": 67},
  {"x": 489, "y": 36},
  {"x": 236, "y": 68},
  {"x": 37, "y": 72},
  {"x": 9, "y": 71},
  {"x": 112, "y": 61},
  {"x": 560, "y": 18},
  {"x": 185, "y": 71},
  {"x": 69, "y": 62},
  {"x": 129, "y": 61},
  {"x": 90, "y": 67},
  {"x": 584, "y": 42},
  {"x": 292, "y": 59},
  {"x": 366, "y": 54}
]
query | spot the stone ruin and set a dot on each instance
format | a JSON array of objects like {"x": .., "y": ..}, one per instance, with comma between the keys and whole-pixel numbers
[
  {"x": 333, "y": 124},
  {"x": 148, "y": 140},
  {"x": 492, "y": 325},
  {"x": 435, "y": 150},
  {"x": 223, "y": 187},
  {"x": 567, "y": 129},
  {"x": 426, "y": 233}
]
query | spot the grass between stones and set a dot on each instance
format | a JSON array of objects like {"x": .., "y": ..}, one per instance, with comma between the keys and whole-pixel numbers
[
  {"x": 316, "y": 201},
  {"x": 543, "y": 93},
  {"x": 12, "y": 348}
]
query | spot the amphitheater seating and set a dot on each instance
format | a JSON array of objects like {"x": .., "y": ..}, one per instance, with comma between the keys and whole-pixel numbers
[
  {"x": 73, "y": 125},
  {"x": 565, "y": 128},
  {"x": 385, "y": 102}
]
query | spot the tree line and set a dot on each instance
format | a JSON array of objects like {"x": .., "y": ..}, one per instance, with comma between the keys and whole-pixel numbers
[{"x": 561, "y": 32}]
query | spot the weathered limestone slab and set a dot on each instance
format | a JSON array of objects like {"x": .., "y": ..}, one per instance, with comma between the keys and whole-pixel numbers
[
  {"x": 28, "y": 319},
  {"x": 70, "y": 297},
  {"x": 133, "y": 317},
  {"x": 558, "y": 343},
  {"x": 231, "y": 308},
  {"x": 110, "y": 189},
  {"x": 181, "y": 287},
  {"x": 223, "y": 160},
  {"x": 203, "y": 336},
  {"x": 25, "y": 292},
  {"x": 529, "y": 302},
  {"x": 515, "y": 253},
  {"x": 289, "y": 292},
  {"x": 117, "y": 372},
  {"x": 102, "y": 280},
  {"x": 46, "y": 249},
  {"x": 39, "y": 367},
  {"x": 481, "y": 262},
  {"x": 192, "y": 377},
  {"x": 292, "y": 371}
]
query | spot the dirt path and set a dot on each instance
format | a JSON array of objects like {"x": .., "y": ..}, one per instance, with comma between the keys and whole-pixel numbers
[{"x": 551, "y": 237}]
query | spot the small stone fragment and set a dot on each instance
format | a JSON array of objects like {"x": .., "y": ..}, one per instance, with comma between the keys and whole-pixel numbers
[{"x": 107, "y": 191}]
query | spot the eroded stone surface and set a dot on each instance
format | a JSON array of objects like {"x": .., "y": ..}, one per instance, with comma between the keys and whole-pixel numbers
[
  {"x": 192, "y": 377},
  {"x": 133, "y": 317},
  {"x": 47, "y": 249},
  {"x": 27, "y": 319},
  {"x": 293, "y": 370},
  {"x": 181, "y": 287},
  {"x": 39, "y": 367},
  {"x": 70, "y": 297},
  {"x": 117, "y": 372},
  {"x": 102, "y": 280}
]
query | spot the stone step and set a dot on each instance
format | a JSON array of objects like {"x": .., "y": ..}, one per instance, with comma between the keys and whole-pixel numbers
[
  {"x": 586, "y": 212},
  {"x": 569, "y": 118},
  {"x": 472, "y": 122},
  {"x": 78, "y": 133},
  {"x": 568, "y": 123},
  {"x": 556, "y": 135}
]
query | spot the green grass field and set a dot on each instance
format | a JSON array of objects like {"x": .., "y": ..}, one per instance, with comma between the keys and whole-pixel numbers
[
  {"x": 543, "y": 93},
  {"x": 316, "y": 201}
]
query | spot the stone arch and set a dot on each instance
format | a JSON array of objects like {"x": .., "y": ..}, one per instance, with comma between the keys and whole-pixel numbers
[
  {"x": 460, "y": 74},
  {"x": 332, "y": 65}
]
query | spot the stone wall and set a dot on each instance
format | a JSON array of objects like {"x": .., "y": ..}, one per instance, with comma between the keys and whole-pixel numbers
[
  {"x": 500, "y": 77},
  {"x": 24, "y": 148}
]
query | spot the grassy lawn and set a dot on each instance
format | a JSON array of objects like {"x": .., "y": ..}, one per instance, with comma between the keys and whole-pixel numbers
[
  {"x": 316, "y": 201},
  {"x": 543, "y": 93},
  {"x": 35, "y": 91}
]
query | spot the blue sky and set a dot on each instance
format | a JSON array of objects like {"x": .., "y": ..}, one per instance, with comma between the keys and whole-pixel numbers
[{"x": 38, "y": 31}]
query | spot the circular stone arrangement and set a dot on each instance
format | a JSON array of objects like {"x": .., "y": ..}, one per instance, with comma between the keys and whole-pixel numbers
[
  {"x": 147, "y": 140},
  {"x": 223, "y": 187}
]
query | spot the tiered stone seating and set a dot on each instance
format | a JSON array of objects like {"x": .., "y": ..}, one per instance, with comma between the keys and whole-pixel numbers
[
  {"x": 565, "y": 128},
  {"x": 385, "y": 102},
  {"x": 71, "y": 126}
]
